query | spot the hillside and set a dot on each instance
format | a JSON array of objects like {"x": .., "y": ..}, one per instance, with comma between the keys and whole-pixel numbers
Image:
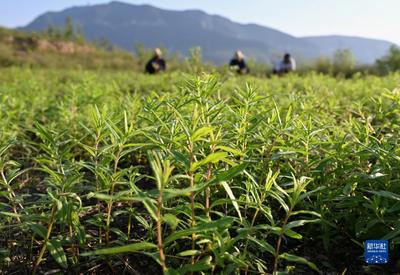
[
  {"x": 126, "y": 25},
  {"x": 18, "y": 48},
  {"x": 366, "y": 50}
]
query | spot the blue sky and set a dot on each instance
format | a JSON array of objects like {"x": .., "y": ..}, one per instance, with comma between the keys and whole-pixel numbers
[{"x": 369, "y": 18}]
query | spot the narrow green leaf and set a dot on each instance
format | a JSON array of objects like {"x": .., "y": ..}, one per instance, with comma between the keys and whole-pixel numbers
[
  {"x": 38, "y": 229},
  {"x": 189, "y": 253},
  {"x": 56, "y": 250},
  {"x": 199, "y": 133},
  {"x": 135, "y": 247},
  {"x": 202, "y": 265},
  {"x": 263, "y": 245},
  {"x": 293, "y": 258},
  {"x": 11, "y": 214},
  {"x": 280, "y": 200},
  {"x": 229, "y": 150},
  {"x": 391, "y": 235},
  {"x": 386, "y": 194},
  {"x": 151, "y": 208},
  {"x": 292, "y": 234},
  {"x": 299, "y": 223},
  {"x": 211, "y": 158},
  {"x": 229, "y": 174},
  {"x": 171, "y": 220},
  {"x": 232, "y": 197},
  {"x": 302, "y": 212},
  {"x": 204, "y": 227}
]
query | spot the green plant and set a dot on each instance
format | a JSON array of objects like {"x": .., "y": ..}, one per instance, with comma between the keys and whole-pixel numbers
[{"x": 113, "y": 172}]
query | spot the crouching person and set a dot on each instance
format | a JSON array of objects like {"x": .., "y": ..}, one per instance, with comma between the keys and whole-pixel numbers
[
  {"x": 287, "y": 65},
  {"x": 156, "y": 63},
  {"x": 238, "y": 63}
]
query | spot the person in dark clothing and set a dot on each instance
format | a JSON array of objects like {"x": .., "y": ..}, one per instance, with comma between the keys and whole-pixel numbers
[
  {"x": 156, "y": 63},
  {"x": 237, "y": 63}
]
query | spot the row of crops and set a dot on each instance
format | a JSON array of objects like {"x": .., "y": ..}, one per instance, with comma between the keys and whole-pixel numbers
[{"x": 113, "y": 172}]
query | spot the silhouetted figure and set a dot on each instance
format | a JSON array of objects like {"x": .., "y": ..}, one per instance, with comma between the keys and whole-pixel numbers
[
  {"x": 156, "y": 63},
  {"x": 237, "y": 63},
  {"x": 288, "y": 64}
]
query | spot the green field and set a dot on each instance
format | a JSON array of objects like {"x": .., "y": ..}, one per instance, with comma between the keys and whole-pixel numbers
[{"x": 122, "y": 172}]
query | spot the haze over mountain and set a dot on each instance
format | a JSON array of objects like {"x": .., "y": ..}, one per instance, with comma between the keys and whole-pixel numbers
[{"x": 126, "y": 25}]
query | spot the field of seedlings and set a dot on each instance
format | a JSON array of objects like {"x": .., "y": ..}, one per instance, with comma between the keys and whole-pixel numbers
[{"x": 104, "y": 173}]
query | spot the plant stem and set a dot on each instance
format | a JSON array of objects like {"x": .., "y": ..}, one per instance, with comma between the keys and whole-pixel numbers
[
  {"x": 160, "y": 244},
  {"x": 129, "y": 222},
  {"x": 96, "y": 164},
  {"x": 207, "y": 191},
  {"x": 12, "y": 196},
  {"x": 192, "y": 203},
  {"x": 49, "y": 229},
  {"x": 279, "y": 242},
  {"x": 109, "y": 210},
  {"x": 110, "y": 203}
]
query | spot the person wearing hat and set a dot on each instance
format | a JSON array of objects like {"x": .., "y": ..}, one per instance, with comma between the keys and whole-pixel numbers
[
  {"x": 238, "y": 63},
  {"x": 156, "y": 63}
]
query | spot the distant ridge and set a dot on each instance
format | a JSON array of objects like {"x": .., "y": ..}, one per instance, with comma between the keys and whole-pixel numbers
[
  {"x": 365, "y": 50},
  {"x": 127, "y": 25}
]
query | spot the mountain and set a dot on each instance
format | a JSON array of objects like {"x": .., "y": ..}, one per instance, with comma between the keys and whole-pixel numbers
[
  {"x": 364, "y": 49},
  {"x": 127, "y": 25}
]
